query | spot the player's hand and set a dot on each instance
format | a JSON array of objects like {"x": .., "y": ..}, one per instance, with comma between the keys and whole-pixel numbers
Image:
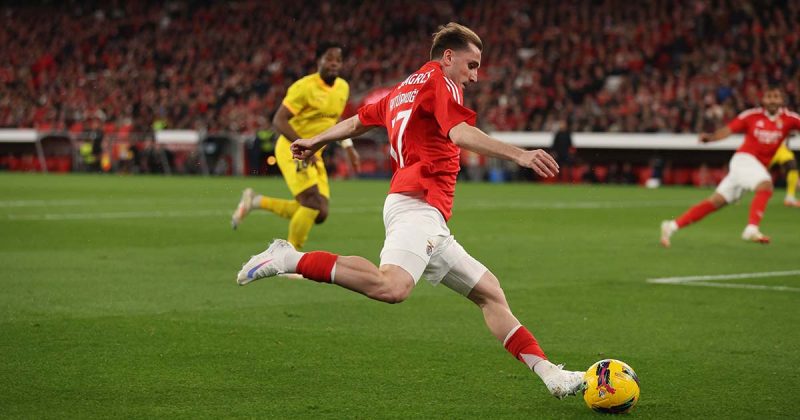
[
  {"x": 355, "y": 159},
  {"x": 540, "y": 161},
  {"x": 705, "y": 137},
  {"x": 303, "y": 149}
]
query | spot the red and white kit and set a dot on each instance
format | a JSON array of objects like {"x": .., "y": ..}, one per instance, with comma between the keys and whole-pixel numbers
[
  {"x": 418, "y": 114},
  {"x": 763, "y": 135}
]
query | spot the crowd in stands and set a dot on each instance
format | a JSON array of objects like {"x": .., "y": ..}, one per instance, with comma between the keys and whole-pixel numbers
[{"x": 606, "y": 65}]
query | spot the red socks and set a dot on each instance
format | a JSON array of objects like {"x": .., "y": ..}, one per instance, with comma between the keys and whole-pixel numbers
[
  {"x": 522, "y": 345},
  {"x": 758, "y": 205},
  {"x": 694, "y": 214},
  {"x": 317, "y": 266}
]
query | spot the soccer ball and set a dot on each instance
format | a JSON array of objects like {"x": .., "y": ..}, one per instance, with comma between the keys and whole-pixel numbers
[{"x": 611, "y": 387}]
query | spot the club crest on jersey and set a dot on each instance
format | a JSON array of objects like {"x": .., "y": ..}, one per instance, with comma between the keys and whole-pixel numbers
[
  {"x": 779, "y": 124},
  {"x": 760, "y": 123}
]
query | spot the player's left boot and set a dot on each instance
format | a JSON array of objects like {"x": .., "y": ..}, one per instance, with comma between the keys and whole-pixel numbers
[
  {"x": 269, "y": 263},
  {"x": 562, "y": 383},
  {"x": 243, "y": 209},
  {"x": 668, "y": 227},
  {"x": 753, "y": 234}
]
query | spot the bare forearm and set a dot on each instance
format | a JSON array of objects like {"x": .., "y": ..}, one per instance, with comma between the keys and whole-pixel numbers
[
  {"x": 287, "y": 131},
  {"x": 471, "y": 138},
  {"x": 281, "y": 123},
  {"x": 720, "y": 134},
  {"x": 344, "y": 129}
]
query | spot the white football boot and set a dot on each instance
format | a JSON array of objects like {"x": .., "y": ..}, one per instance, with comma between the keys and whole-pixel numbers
[
  {"x": 243, "y": 209},
  {"x": 752, "y": 234},
  {"x": 269, "y": 263},
  {"x": 790, "y": 201},
  {"x": 562, "y": 383},
  {"x": 668, "y": 227}
]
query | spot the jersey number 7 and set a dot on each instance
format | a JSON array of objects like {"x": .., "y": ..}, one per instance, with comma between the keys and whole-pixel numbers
[{"x": 397, "y": 150}]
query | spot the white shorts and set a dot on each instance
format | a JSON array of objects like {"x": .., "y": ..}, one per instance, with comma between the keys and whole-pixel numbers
[
  {"x": 745, "y": 172},
  {"x": 419, "y": 241}
]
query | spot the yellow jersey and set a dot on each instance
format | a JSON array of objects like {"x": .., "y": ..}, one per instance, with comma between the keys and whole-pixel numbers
[
  {"x": 316, "y": 105},
  {"x": 782, "y": 155}
]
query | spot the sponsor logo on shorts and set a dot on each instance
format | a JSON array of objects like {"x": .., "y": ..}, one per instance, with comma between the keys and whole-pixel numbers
[{"x": 429, "y": 248}]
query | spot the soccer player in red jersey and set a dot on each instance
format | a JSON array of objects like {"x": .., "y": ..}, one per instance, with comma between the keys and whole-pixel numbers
[
  {"x": 428, "y": 125},
  {"x": 765, "y": 128}
]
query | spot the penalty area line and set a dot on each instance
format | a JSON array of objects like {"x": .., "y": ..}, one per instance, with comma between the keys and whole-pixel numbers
[{"x": 708, "y": 281}]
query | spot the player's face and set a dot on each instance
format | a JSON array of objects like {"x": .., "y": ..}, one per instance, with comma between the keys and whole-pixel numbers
[
  {"x": 461, "y": 66},
  {"x": 772, "y": 100},
  {"x": 330, "y": 63}
]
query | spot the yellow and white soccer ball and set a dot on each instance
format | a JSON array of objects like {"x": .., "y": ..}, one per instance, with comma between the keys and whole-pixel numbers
[{"x": 611, "y": 387}]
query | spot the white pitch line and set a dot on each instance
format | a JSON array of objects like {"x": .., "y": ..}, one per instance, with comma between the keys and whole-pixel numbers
[
  {"x": 705, "y": 280},
  {"x": 117, "y": 215},
  {"x": 475, "y": 206},
  {"x": 42, "y": 203}
]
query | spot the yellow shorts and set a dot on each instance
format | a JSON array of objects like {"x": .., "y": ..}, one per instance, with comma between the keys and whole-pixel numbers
[
  {"x": 300, "y": 175},
  {"x": 783, "y": 155}
]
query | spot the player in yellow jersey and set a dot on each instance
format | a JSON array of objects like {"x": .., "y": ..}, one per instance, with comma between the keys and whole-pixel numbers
[
  {"x": 784, "y": 157},
  {"x": 312, "y": 105}
]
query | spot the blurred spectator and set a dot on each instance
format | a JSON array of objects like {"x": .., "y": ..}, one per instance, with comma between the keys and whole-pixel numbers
[
  {"x": 627, "y": 174},
  {"x": 93, "y": 136},
  {"x": 611, "y": 65},
  {"x": 563, "y": 151},
  {"x": 152, "y": 158},
  {"x": 590, "y": 175}
]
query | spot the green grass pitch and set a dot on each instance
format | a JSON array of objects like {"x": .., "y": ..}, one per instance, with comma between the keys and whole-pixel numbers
[{"x": 118, "y": 299}]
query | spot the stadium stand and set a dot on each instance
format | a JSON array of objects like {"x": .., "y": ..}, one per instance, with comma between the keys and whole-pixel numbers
[{"x": 609, "y": 66}]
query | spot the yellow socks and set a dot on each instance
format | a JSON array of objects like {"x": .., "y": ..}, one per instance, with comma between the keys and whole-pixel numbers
[
  {"x": 283, "y": 208},
  {"x": 301, "y": 219},
  {"x": 791, "y": 183},
  {"x": 300, "y": 225}
]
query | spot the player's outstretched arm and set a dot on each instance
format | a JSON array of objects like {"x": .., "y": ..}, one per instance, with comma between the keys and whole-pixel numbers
[
  {"x": 351, "y": 127},
  {"x": 472, "y": 138},
  {"x": 715, "y": 136}
]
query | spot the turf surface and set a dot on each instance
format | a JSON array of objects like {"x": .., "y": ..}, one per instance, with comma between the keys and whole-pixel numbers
[{"x": 117, "y": 299}]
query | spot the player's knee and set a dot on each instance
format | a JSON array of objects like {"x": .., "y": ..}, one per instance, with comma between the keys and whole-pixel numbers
[
  {"x": 391, "y": 294},
  {"x": 391, "y": 291},
  {"x": 717, "y": 200},
  {"x": 493, "y": 296},
  {"x": 764, "y": 186},
  {"x": 488, "y": 292}
]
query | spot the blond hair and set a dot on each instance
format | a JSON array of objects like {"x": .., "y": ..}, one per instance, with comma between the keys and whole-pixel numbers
[{"x": 453, "y": 37}]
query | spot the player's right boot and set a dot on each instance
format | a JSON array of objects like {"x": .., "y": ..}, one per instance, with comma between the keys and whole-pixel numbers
[
  {"x": 668, "y": 227},
  {"x": 791, "y": 202},
  {"x": 243, "y": 209},
  {"x": 269, "y": 263},
  {"x": 562, "y": 383},
  {"x": 753, "y": 234}
]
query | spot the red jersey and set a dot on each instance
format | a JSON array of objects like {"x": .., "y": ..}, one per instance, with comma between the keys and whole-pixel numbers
[
  {"x": 763, "y": 135},
  {"x": 418, "y": 114}
]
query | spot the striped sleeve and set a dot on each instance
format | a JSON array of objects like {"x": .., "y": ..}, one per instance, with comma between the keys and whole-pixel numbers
[
  {"x": 448, "y": 105},
  {"x": 795, "y": 118},
  {"x": 739, "y": 124}
]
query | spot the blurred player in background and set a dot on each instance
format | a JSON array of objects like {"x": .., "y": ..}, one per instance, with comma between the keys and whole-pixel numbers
[
  {"x": 765, "y": 128},
  {"x": 784, "y": 158},
  {"x": 312, "y": 105},
  {"x": 427, "y": 124}
]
